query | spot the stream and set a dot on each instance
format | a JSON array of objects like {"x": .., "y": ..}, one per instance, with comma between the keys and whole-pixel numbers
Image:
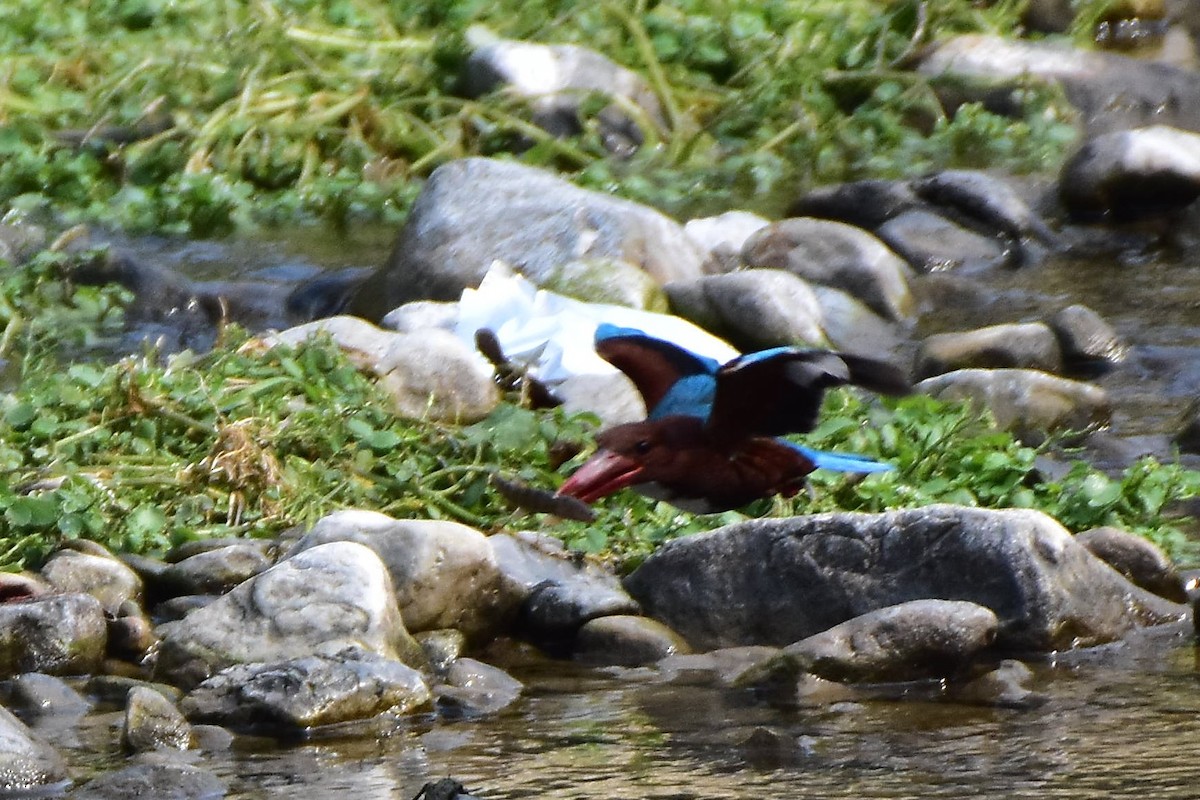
[{"x": 1118, "y": 721}]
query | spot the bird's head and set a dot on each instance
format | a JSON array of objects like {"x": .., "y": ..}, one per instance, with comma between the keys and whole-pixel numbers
[{"x": 634, "y": 453}]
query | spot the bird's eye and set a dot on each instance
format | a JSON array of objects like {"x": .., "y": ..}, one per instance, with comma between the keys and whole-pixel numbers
[{"x": 642, "y": 447}]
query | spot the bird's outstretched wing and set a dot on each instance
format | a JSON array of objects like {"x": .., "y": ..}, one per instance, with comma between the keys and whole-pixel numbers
[
  {"x": 659, "y": 368},
  {"x": 779, "y": 391}
]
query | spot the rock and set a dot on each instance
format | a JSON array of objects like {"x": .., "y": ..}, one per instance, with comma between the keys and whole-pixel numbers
[
  {"x": 1112, "y": 92},
  {"x": 852, "y": 327},
  {"x": 160, "y": 780},
  {"x": 153, "y": 722},
  {"x": 28, "y": 766},
  {"x": 194, "y": 547},
  {"x": 477, "y": 210},
  {"x": 429, "y": 374},
  {"x": 1131, "y": 174},
  {"x": 1138, "y": 559},
  {"x": 442, "y": 647},
  {"x": 323, "y": 295},
  {"x": 867, "y": 204},
  {"x": 475, "y": 689},
  {"x": 722, "y": 237},
  {"x": 916, "y": 640},
  {"x": 1188, "y": 437},
  {"x": 131, "y": 637},
  {"x": 627, "y": 641},
  {"x": 1007, "y": 686},
  {"x": 986, "y": 202},
  {"x": 319, "y": 601},
  {"x": 754, "y": 309},
  {"x": 60, "y": 634},
  {"x": 180, "y": 607},
  {"x": 36, "y": 696},
  {"x": 105, "y": 578},
  {"x": 307, "y": 692},
  {"x": 1027, "y": 402},
  {"x": 150, "y": 570},
  {"x": 720, "y": 667},
  {"x": 114, "y": 689},
  {"x": 14, "y": 586},
  {"x": 837, "y": 255},
  {"x": 557, "y": 79},
  {"x": 606, "y": 281},
  {"x": 1088, "y": 343},
  {"x": 421, "y": 315},
  {"x": 215, "y": 571},
  {"x": 445, "y": 574},
  {"x": 776, "y": 581},
  {"x": 1030, "y": 345},
  {"x": 558, "y": 593},
  {"x": 612, "y": 397},
  {"x": 929, "y": 243}
]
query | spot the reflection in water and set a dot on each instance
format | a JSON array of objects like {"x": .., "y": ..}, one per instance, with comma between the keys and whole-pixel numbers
[{"x": 1120, "y": 722}]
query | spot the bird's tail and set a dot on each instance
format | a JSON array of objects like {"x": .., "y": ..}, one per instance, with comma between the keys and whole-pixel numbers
[{"x": 841, "y": 462}]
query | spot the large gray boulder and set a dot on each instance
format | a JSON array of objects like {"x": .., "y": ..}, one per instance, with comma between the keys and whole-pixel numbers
[
  {"x": 445, "y": 574},
  {"x": 477, "y": 210},
  {"x": 1133, "y": 173},
  {"x": 753, "y": 309},
  {"x": 320, "y": 601},
  {"x": 777, "y": 581}
]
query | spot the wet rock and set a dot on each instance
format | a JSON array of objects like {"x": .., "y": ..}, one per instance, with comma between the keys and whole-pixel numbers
[
  {"x": 753, "y": 309},
  {"x": 1030, "y": 345},
  {"x": 60, "y": 634},
  {"x": 1007, "y": 686},
  {"x": 180, "y": 607},
  {"x": 319, "y": 601},
  {"x": 307, "y": 692},
  {"x": 477, "y": 210},
  {"x": 929, "y": 243},
  {"x": 1131, "y": 174},
  {"x": 442, "y": 647},
  {"x": 36, "y": 695},
  {"x": 867, "y": 204},
  {"x": 780, "y": 580},
  {"x": 606, "y": 281},
  {"x": 837, "y": 255},
  {"x": 1138, "y": 559},
  {"x": 916, "y": 640},
  {"x": 160, "y": 780},
  {"x": 558, "y": 593},
  {"x": 852, "y": 327},
  {"x": 627, "y": 641},
  {"x": 474, "y": 689},
  {"x": 1089, "y": 344},
  {"x": 153, "y": 722},
  {"x": 445, "y": 574},
  {"x": 557, "y": 79},
  {"x": 1112, "y": 92},
  {"x": 430, "y": 374},
  {"x": 215, "y": 571},
  {"x": 1027, "y": 402},
  {"x": 28, "y": 766},
  {"x": 985, "y": 201},
  {"x": 323, "y": 295},
  {"x": 720, "y": 667},
  {"x": 105, "y": 578},
  {"x": 722, "y": 237},
  {"x": 444, "y": 789}
]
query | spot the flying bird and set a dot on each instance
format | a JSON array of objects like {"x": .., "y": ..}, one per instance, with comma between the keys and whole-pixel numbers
[{"x": 710, "y": 441}]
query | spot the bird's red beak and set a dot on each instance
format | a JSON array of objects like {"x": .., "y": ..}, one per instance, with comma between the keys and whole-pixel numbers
[{"x": 602, "y": 474}]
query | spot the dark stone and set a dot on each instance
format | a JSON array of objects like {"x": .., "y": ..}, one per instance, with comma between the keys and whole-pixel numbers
[
  {"x": 161, "y": 781},
  {"x": 1089, "y": 345},
  {"x": 1138, "y": 559}
]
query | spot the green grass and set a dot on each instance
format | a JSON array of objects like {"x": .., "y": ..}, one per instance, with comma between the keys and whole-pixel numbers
[{"x": 259, "y": 112}]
